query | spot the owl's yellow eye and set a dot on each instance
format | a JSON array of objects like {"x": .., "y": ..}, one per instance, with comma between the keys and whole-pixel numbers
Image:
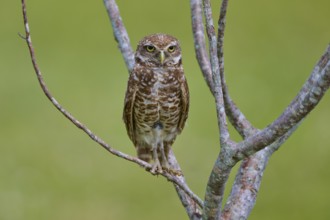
[
  {"x": 171, "y": 49},
  {"x": 150, "y": 48}
]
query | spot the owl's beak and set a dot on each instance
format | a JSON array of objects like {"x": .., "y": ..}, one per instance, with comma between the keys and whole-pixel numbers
[{"x": 162, "y": 57}]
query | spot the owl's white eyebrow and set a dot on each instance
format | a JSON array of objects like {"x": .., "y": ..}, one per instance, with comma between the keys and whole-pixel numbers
[
  {"x": 142, "y": 58},
  {"x": 172, "y": 45},
  {"x": 176, "y": 59}
]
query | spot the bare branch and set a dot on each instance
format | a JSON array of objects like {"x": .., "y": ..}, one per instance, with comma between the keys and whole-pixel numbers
[
  {"x": 308, "y": 97},
  {"x": 120, "y": 33},
  {"x": 223, "y": 165},
  {"x": 228, "y": 157},
  {"x": 199, "y": 42},
  {"x": 178, "y": 181}
]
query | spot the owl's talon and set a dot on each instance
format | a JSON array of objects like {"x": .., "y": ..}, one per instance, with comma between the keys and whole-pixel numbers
[
  {"x": 156, "y": 168},
  {"x": 167, "y": 168}
]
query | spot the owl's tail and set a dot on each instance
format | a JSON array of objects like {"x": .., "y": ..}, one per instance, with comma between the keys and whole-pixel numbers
[{"x": 144, "y": 153}]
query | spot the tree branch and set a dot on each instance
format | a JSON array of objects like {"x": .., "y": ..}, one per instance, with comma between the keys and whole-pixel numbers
[
  {"x": 176, "y": 180},
  {"x": 245, "y": 188},
  {"x": 231, "y": 153},
  {"x": 308, "y": 97}
]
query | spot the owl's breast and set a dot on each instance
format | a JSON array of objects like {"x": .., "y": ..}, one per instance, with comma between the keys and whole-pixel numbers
[{"x": 157, "y": 104}]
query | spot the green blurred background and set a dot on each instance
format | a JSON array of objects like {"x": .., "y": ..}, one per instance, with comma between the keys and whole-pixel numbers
[{"x": 51, "y": 170}]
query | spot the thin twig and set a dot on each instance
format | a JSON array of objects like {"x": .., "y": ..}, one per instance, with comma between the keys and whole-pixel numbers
[
  {"x": 176, "y": 180},
  {"x": 199, "y": 42},
  {"x": 221, "y": 113}
]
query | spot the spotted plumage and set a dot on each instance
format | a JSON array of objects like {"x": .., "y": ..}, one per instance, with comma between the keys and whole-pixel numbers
[{"x": 157, "y": 99}]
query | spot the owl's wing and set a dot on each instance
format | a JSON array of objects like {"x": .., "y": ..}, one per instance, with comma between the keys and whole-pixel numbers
[
  {"x": 184, "y": 104},
  {"x": 128, "y": 108}
]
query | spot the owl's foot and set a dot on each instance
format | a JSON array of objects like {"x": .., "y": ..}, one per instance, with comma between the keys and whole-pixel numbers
[
  {"x": 161, "y": 163},
  {"x": 156, "y": 167},
  {"x": 167, "y": 168},
  {"x": 165, "y": 165}
]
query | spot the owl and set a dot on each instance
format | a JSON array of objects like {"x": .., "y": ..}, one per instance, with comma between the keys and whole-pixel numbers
[{"x": 157, "y": 99}]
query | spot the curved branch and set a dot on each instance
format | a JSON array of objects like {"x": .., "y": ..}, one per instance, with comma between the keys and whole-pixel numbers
[
  {"x": 177, "y": 180},
  {"x": 308, "y": 97}
]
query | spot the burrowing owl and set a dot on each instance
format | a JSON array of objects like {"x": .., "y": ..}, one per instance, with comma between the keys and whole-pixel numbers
[{"x": 157, "y": 99}]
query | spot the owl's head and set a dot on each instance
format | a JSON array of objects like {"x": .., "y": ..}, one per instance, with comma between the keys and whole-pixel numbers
[{"x": 158, "y": 50}]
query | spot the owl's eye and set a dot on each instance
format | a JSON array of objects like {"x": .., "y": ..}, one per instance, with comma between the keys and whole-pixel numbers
[
  {"x": 171, "y": 49},
  {"x": 150, "y": 48}
]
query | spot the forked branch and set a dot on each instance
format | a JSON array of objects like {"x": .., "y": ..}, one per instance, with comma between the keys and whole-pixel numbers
[{"x": 265, "y": 141}]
